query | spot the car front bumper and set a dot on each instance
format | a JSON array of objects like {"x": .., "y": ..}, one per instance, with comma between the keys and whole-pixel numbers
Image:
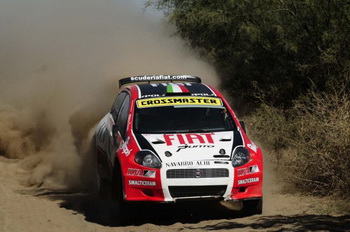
[{"x": 193, "y": 183}]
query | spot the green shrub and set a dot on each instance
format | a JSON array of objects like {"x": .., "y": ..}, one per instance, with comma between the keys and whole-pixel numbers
[{"x": 309, "y": 143}]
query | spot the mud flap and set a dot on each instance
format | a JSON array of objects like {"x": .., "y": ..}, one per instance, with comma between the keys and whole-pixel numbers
[{"x": 252, "y": 207}]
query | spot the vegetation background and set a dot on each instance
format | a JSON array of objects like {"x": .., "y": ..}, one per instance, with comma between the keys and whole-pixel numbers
[{"x": 286, "y": 64}]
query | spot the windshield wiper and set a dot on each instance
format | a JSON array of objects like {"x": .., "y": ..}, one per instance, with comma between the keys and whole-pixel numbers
[{"x": 197, "y": 130}]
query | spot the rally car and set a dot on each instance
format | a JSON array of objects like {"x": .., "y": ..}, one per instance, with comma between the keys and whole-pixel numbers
[{"x": 173, "y": 138}]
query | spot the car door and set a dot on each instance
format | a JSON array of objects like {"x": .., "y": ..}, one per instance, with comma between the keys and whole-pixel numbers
[{"x": 119, "y": 113}]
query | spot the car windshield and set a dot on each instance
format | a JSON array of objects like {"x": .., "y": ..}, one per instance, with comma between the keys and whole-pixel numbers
[{"x": 174, "y": 119}]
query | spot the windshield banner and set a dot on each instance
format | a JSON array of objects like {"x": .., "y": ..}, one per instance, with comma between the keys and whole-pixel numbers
[{"x": 181, "y": 101}]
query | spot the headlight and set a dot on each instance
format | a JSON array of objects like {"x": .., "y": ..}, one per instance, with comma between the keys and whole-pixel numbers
[
  {"x": 148, "y": 159},
  {"x": 240, "y": 156}
]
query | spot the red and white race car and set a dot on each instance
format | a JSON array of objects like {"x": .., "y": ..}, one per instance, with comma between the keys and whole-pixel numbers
[{"x": 165, "y": 141}]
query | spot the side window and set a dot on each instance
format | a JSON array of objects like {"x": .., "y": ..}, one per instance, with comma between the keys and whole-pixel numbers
[
  {"x": 123, "y": 116},
  {"x": 117, "y": 105}
]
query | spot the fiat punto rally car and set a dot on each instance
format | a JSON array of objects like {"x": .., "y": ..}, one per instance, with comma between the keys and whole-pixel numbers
[{"x": 166, "y": 141}]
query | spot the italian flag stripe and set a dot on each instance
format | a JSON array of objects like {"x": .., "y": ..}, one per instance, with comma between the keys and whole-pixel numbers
[
  {"x": 184, "y": 89},
  {"x": 175, "y": 88},
  {"x": 169, "y": 89}
]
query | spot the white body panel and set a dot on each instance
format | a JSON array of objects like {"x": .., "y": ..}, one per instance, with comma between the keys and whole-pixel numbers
[{"x": 194, "y": 151}]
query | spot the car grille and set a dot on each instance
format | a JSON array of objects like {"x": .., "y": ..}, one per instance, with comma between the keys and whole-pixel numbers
[
  {"x": 197, "y": 173},
  {"x": 193, "y": 191}
]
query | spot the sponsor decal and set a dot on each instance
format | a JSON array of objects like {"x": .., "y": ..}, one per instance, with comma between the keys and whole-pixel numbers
[
  {"x": 202, "y": 94},
  {"x": 190, "y": 140},
  {"x": 242, "y": 171},
  {"x": 149, "y": 173},
  {"x": 184, "y": 101},
  {"x": 142, "y": 183},
  {"x": 124, "y": 147},
  {"x": 159, "y": 77},
  {"x": 249, "y": 180},
  {"x": 184, "y": 139},
  {"x": 252, "y": 146},
  {"x": 150, "y": 95},
  {"x": 248, "y": 170},
  {"x": 193, "y": 146},
  {"x": 134, "y": 172},
  {"x": 254, "y": 169},
  {"x": 142, "y": 173},
  {"x": 188, "y": 163}
]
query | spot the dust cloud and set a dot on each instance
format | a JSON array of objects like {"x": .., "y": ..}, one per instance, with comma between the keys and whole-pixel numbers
[{"x": 60, "y": 62}]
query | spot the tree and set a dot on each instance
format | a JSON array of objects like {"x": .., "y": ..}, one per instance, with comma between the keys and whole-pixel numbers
[{"x": 275, "y": 49}]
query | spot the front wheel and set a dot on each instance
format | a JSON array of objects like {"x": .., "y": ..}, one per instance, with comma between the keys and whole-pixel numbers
[
  {"x": 122, "y": 212},
  {"x": 251, "y": 207}
]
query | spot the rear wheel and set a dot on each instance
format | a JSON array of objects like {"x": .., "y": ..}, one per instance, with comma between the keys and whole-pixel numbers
[
  {"x": 102, "y": 186},
  {"x": 251, "y": 207}
]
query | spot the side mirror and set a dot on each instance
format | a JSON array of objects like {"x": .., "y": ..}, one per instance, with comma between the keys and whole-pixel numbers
[{"x": 242, "y": 125}]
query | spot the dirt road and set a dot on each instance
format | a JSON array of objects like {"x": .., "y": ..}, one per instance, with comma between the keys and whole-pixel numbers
[{"x": 28, "y": 209}]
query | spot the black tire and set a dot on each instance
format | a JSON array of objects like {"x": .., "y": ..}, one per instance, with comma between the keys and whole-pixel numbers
[
  {"x": 99, "y": 184},
  {"x": 121, "y": 212},
  {"x": 117, "y": 184},
  {"x": 252, "y": 207},
  {"x": 104, "y": 187}
]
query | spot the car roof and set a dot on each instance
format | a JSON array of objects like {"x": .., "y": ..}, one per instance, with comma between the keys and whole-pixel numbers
[
  {"x": 173, "y": 89},
  {"x": 166, "y": 85}
]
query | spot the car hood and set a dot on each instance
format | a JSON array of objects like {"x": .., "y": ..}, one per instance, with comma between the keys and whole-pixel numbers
[{"x": 190, "y": 147}]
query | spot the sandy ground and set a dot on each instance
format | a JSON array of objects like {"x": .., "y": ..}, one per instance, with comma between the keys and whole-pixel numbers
[{"x": 28, "y": 209}]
